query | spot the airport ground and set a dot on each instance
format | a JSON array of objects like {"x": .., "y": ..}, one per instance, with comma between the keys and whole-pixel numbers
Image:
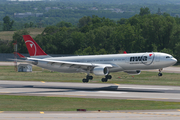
[
  {"x": 112, "y": 91},
  {"x": 103, "y": 115}
]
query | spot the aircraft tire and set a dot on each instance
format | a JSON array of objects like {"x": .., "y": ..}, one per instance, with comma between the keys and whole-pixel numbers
[
  {"x": 89, "y": 77},
  {"x": 159, "y": 74},
  {"x": 104, "y": 80},
  {"x": 108, "y": 76},
  {"x": 85, "y": 80}
]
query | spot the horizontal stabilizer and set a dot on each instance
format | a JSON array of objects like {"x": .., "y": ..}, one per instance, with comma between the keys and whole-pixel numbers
[{"x": 20, "y": 55}]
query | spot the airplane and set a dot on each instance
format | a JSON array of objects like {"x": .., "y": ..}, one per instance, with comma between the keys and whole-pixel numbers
[{"x": 103, "y": 65}]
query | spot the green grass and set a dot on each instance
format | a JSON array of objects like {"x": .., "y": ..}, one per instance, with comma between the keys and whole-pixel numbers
[
  {"x": 8, "y": 35},
  {"x": 37, "y": 103},
  {"x": 145, "y": 78}
]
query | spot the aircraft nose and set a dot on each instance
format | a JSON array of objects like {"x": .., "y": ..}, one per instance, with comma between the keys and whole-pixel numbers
[{"x": 174, "y": 60}]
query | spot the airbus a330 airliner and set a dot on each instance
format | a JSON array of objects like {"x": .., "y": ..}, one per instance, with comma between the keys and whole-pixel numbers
[{"x": 131, "y": 63}]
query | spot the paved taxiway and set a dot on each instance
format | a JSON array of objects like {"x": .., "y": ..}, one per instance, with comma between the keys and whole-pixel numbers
[
  {"x": 91, "y": 90},
  {"x": 103, "y": 115}
]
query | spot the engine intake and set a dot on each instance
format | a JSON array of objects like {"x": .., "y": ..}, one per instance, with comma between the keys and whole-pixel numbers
[
  {"x": 133, "y": 72},
  {"x": 100, "y": 71}
]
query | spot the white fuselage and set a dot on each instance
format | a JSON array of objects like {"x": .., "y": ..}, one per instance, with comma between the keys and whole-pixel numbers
[{"x": 123, "y": 62}]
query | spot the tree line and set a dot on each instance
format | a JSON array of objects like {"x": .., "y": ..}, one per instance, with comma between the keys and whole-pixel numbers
[
  {"x": 73, "y": 10},
  {"x": 144, "y": 32}
]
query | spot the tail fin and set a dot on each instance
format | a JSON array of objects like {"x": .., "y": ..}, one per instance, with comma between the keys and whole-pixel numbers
[
  {"x": 125, "y": 52},
  {"x": 33, "y": 48}
]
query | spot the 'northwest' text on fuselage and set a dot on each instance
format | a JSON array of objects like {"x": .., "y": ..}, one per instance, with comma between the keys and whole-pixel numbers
[{"x": 142, "y": 58}]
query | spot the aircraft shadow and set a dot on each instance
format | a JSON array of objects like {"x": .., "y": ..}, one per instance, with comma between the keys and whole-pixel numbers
[{"x": 72, "y": 88}]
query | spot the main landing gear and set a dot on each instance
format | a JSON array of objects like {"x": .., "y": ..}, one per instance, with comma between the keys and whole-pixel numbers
[
  {"x": 106, "y": 78},
  {"x": 160, "y": 70},
  {"x": 88, "y": 77}
]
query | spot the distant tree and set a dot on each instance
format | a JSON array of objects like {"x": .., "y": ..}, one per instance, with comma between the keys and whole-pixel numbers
[
  {"x": 144, "y": 11},
  {"x": 26, "y": 25},
  {"x": 177, "y": 49},
  {"x": 122, "y": 21},
  {"x": 31, "y": 24},
  {"x": 84, "y": 21},
  {"x": 159, "y": 11},
  {"x": 64, "y": 24},
  {"x": 7, "y": 25},
  {"x": 169, "y": 51},
  {"x": 166, "y": 14},
  {"x": 50, "y": 30},
  {"x": 18, "y": 35}
]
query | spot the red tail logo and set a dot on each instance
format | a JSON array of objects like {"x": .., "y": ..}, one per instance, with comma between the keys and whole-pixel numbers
[
  {"x": 125, "y": 52},
  {"x": 33, "y": 48}
]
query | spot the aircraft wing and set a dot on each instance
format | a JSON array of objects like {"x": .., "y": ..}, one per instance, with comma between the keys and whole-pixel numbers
[{"x": 73, "y": 64}]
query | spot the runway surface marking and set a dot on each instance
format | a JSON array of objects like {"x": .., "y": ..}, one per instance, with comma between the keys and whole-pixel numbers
[
  {"x": 1, "y": 111},
  {"x": 43, "y": 82},
  {"x": 41, "y": 112},
  {"x": 116, "y": 84}
]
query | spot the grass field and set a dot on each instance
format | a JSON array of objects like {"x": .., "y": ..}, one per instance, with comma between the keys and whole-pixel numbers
[
  {"x": 37, "y": 103},
  {"x": 7, "y": 35},
  {"x": 146, "y": 78}
]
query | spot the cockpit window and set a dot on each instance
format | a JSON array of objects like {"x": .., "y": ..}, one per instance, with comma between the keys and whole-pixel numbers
[{"x": 168, "y": 56}]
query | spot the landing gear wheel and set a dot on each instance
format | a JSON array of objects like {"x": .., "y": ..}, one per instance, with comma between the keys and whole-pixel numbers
[
  {"x": 108, "y": 76},
  {"x": 104, "y": 80},
  {"x": 159, "y": 74},
  {"x": 85, "y": 80},
  {"x": 89, "y": 77}
]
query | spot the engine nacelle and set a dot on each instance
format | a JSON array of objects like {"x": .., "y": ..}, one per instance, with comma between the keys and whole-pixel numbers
[
  {"x": 133, "y": 72},
  {"x": 100, "y": 71}
]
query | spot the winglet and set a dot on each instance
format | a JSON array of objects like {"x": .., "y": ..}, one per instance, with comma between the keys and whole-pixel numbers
[
  {"x": 125, "y": 52},
  {"x": 33, "y": 48},
  {"x": 21, "y": 56}
]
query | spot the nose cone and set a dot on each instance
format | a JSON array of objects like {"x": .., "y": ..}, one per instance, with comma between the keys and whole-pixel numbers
[{"x": 174, "y": 61}]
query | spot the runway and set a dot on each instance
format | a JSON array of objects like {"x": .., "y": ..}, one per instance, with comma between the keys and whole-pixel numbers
[
  {"x": 91, "y": 90},
  {"x": 103, "y": 115}
]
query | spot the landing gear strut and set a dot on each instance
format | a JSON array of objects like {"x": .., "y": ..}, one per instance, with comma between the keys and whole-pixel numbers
[
  {"x": 88, "y": 77},
  {"x": 106, "y": 78},
  {"x": 160, "y": 74}
]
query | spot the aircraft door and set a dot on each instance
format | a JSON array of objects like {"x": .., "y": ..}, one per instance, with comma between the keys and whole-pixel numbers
[{"x": 157, "y": 58}]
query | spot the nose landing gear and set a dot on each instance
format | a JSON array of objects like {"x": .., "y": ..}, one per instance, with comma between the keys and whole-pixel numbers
[{"x": 160, "y": 70}]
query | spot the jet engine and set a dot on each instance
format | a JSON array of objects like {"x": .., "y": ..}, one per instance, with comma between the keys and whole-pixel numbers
[
  {"x": 100, "y": 71},
  {"x": 133, "y": 72}
]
